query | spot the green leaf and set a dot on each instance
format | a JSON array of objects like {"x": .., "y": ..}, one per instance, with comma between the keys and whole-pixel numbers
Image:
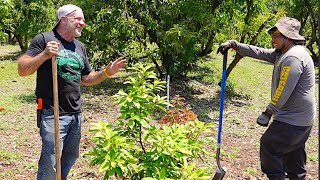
[
  {"x": 163, "y": 172},
  {"x": 136, "y": 104},
  {"x": 119, "y": 171},
  {"x": 131, "y": 123}
]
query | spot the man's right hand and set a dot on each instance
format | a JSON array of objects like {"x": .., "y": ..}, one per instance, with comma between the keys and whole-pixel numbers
[
  {"x": 52, "y": 49},
  {"x": 226, "y": 45}
]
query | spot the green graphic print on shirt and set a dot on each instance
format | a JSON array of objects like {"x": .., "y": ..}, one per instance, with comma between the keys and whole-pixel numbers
[{"x": 70, "y": 65}]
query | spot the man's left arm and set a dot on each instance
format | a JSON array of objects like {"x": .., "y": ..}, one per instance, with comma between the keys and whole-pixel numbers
[
  {"x": 96, "y": 77},
  {"x": 291, "y": 69}
]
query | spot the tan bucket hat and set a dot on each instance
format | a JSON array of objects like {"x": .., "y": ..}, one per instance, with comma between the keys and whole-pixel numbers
[{"x": 289, "y": 27}]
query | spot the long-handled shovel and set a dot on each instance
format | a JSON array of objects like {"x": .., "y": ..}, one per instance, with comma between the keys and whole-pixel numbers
[
  {"x": 220, "y": 172},
  {"x": 56, "y": 118}
]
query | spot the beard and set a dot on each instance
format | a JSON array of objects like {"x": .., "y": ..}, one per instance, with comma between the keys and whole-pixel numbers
[
  {"x": 279, "y": 48},
  {"x": 278, "y": 51},
  {"x": 75, "y": 30}
]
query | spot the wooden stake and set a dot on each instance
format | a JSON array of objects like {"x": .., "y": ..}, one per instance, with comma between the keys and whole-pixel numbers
[{"x": 56, "y": 118}]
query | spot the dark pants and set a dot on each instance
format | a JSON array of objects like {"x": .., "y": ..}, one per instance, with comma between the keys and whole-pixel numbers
[{"x": 282, "y": 150}]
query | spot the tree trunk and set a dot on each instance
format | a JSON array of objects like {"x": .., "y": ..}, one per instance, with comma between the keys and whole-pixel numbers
[
  {"x": 315, "y": 38},
  {"x": 9, "y": 36},
  {"x": 214, "y": 5},
  {"x": 238, "y": 57},
  {"x": 158, "y": 68},
  {"x": 233, "y": 64},
  {"x": 20, "y": 41},
  {"x": 313, "y": 54},
  {"x": 167, "y": 62},
  {"x": 208, "y": 47}
]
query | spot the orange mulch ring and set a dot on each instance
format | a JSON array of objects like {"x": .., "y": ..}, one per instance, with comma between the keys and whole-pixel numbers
[{"x": 180, "y": 116}]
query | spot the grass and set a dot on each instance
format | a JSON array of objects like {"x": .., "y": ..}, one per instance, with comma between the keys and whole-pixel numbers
[
  {"x": 14, "y": 90},
  {"x": 248, "y": 95},
  {"x": 251, "y": 171}
]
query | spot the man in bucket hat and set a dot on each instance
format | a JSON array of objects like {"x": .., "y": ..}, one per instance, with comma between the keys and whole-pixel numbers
[
  {"x": 292, "y": 105},
  {"x": 73, "y": 70}
]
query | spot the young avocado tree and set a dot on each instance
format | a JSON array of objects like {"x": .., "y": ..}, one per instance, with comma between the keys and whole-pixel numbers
[{"x": 137, "y": 147}]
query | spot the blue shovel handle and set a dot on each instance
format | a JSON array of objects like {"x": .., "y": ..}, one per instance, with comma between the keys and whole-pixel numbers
[{"x": 223, "y": 85}]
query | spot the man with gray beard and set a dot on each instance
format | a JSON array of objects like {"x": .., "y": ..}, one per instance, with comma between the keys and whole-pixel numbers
[{"x": 73, "y": 70}]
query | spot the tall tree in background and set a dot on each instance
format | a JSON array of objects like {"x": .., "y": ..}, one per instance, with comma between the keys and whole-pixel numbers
[
  {"x": 4, "y": 12},
  {"x": 24, "y": 19},
  {"x": 175, "y": 32},
  {"x": 313, "y": 38},
  {"x": 251, "y": 19},
  {"x": 306, "y": 12},
  {"x": 261, "y": 14}
]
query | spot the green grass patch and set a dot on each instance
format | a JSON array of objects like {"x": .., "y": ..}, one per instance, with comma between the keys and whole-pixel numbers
[
  {"x": 312, "y": 148},
  {"x": 15, "y": 90},
  {"x": 250, "y": 77},
  {"x": 251, "y": 171},
  {"x": 234, "y": 153},
  {"x": 7, "y": 157}
]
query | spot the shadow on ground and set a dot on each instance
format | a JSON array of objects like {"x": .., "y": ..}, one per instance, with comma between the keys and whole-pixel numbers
[
  {"x": 10, "y": 56},
  {"x": 30, "y": 98},
  {"x": 201, "y": 96},
  {"x": 204, "y": 101}
]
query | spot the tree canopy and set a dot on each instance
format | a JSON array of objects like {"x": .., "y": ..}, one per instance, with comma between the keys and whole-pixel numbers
[{"x": 173, "y": 34}]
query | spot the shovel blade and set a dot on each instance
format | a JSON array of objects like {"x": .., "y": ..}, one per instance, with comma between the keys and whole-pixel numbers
[{"x": 219, "y": 174}]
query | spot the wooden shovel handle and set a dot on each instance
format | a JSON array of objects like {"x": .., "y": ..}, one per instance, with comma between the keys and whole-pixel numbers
[{"x": 56, "y": 117}]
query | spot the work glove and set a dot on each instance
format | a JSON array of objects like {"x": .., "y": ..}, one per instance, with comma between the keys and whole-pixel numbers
[
  {"x": 226, "y": 45},
  {"x": 263, "y": 119}
]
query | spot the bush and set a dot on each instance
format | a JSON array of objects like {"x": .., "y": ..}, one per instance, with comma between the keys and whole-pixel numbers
[{"x": 135, "y": 149}]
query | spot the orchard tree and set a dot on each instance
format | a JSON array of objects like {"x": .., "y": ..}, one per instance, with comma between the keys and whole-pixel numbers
[
  {"x": 261, "y": 15},
  {"x": 172, "y": 34},
  {"x": 306, "y": 12},
  {"x": 26, "y": 18},
  {"x": 250, "y": 20},
  {"x": 4, "y": 12}
]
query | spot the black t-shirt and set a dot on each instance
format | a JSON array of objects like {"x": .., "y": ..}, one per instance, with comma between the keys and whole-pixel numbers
[{"x": 72, "y": 63}]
